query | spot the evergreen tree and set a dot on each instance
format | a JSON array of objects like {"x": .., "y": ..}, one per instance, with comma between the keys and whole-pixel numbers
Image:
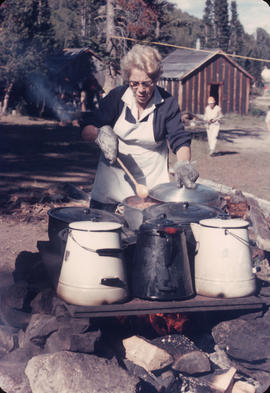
[
  {"x": 222, "y": 28},
  {"x": 259, "y": 48},
  {"x": 208, "y": 39},
  {"x": 66, "y": 21},
  {"x": 25, "y": 40},
  {"x": 236, "y": 42}
]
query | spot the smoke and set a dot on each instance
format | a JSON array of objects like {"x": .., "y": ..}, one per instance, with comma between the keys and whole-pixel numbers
[{"x": 40, "y": 89}]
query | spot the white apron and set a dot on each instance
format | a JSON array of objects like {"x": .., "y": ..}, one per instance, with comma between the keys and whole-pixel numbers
[{"x": 146, "y": 159}]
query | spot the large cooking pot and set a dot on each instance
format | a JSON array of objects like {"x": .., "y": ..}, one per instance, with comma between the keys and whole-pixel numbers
[
  {"x": 169, "y": 192},
  {"x": 223, "y": 266},
  {"x": 160, "y": 269},
  {"x": 61, "y": 217},
  {"x": 93, "y": 270},
  {"x": 135, "y": 208},
  {"x": 184, "y": 214}
]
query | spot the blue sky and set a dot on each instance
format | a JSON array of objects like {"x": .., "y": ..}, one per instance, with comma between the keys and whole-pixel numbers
[{"x": 252, "y": 13}]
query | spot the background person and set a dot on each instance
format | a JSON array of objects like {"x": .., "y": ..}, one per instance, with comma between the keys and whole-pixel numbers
[
  {"x": 212, "y": 117},
  {"x": 267, "y": 119},
  {"x": 134, "y": 122}
]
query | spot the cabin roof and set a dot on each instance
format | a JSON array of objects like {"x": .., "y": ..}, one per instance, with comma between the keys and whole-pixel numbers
[{"x": 182, "y": 62}]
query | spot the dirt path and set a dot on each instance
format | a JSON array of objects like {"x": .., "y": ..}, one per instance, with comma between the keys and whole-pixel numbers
[{"x": 242, "y": 157}]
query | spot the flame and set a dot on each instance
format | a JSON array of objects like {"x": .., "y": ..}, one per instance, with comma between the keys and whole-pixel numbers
[
  {"x": 162, "y": 324},
  {"x": 165, "y": 324}
]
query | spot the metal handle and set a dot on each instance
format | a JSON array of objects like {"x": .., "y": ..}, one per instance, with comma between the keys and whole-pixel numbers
[
  {"x": 113, "y": 282},
  {"x": 103, "y": 252},
  {"x": 241, "y": 240},
  {"x": 108, "y": 252}
]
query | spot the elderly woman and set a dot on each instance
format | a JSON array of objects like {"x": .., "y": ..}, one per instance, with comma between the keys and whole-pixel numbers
[{"x": 134, "y": 122}]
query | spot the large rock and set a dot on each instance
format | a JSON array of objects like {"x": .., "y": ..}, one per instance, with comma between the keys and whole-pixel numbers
[
  {"x": 246, "y": 343},
  {"x": 187, "y": 356},
  {"x": 68, "y": 372},
  {"x": 66, "y": 339},
  {"x": 192, "y": 363},
  {"x": 43, "y": 302},
  {"x": 145, "y": 354},
  {"x": 40, "y": 327},
  {"x": 244, "y": 340},
  {"x": 12, "y": 366},
  {"x": 13, "y": 378},
  {"x": 12, "y": 306},
  {"x": 160, "y": 382},
  {"x": 8, "y": 339}
]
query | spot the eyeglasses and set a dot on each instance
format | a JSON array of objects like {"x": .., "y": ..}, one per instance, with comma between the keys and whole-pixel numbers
[{"x": 145, "y": 84}]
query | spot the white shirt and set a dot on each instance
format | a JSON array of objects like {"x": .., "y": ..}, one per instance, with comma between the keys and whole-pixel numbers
[
  {"x": 267, "y": 118},
  {"x": 145, "y": 158},
  {"x": 214, "y": 113}
]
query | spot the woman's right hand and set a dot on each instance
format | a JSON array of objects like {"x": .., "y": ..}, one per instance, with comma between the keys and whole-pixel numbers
[{"x": 108, "y": 142}]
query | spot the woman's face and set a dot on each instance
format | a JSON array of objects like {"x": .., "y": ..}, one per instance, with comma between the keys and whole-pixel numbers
[{"x": 142, "y": 86}]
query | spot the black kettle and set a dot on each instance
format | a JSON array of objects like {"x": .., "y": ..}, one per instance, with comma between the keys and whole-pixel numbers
[{"x": 160, "y": 268}]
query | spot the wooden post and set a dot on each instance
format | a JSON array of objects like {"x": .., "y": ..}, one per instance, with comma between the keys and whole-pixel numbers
[
  {"x": 247, "y": 97},
  {"x": 180, "y": 95},
  {"x": 241, "y": 94},
  {"x": 6, "y": 98},
  {"x": 193, "y": 95},
  {"x": 234, "y": 88},
  {"x": 229, "y": 86},
  {"x": 199, "y": 108}
]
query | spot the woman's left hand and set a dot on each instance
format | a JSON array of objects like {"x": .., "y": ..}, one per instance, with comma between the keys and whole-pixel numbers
[{"x": 185, "y": 174}]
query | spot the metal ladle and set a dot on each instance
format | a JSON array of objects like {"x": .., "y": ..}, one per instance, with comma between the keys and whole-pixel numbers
[{"x": 141, "y": 190}]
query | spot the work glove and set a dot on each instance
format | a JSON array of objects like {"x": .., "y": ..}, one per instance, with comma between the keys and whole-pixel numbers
[
  {"x": 185, "y": 174},
  {"x": 108, "y": 143}
]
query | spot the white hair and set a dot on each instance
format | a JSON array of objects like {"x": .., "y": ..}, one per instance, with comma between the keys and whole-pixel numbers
[{"x": 144, "y": 58}]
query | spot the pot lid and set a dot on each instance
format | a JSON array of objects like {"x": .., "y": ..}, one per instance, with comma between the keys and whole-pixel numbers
[
  {"x": 182, "y": 213},
  {"x": 232, "y": 223},
  {"x": 91, "y": 226},
  {"x": 75, "y": 213},
  {"x": 169, "y": 192}
]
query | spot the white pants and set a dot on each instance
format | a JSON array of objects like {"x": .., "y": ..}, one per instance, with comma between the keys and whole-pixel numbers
[
  {"x": 267, "y": 120},
  {"x": 212, "y": 134}
]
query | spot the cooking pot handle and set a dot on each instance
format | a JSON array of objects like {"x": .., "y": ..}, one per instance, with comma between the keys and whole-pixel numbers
[
  {"x": 63, "y": 234},
  {"x": 108, "y": 252},
  {"x": 103, "y": 252},
  {"x": 113, "y": 282},
  {"x": 239, "y": 238}
]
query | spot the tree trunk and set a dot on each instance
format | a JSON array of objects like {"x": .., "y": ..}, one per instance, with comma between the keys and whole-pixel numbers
[
  {"x": 157, "y": 30},
  {"x": 110, "y": 74},
  {"x": 41, "y": 112},
  {"x": 6, "y": 98},
  {"x": 83, "y": 20}
]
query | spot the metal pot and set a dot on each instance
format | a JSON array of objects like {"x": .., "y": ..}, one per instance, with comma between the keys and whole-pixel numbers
[
  {"x": 161, "y": 269},
  {"x": 169, "y": 192},
  {"x": 93, "y": 271},
  {"x": 184, "y": 214},
  {"x": 135, "y": 209},
  {"x": 223, "y": 265},
  {"x": 61, "y": 217}
]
